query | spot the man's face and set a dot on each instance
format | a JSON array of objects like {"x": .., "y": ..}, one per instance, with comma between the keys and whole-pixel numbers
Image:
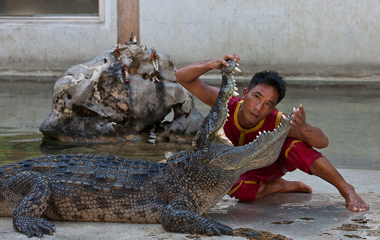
[{"x": 259, "y": 102}]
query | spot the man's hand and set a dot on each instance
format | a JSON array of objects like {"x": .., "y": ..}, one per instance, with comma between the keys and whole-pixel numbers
[
  {"x": 299, "y": 117},
  {"x": 303, "y": 130},
  {"x": 219, "y": 62},
  {"x": 188, "y": 77}
]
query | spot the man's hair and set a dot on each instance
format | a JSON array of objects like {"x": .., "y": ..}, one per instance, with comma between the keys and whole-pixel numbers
[{"x": 271, "y": 78}]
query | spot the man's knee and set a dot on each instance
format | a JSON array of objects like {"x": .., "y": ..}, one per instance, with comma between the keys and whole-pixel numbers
[{"x": 298, "y": 154}]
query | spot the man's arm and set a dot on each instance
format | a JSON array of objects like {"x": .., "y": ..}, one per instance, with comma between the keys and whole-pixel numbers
[
  {"x": 302, "y": 130},
  {"x": 188, "y": 77}
]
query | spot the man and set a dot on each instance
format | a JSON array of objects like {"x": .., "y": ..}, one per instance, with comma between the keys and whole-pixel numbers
[{"x": 256, "y": 111}]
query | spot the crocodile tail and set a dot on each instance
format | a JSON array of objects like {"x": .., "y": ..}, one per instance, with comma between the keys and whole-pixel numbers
[{"x": 217, "y": 116}]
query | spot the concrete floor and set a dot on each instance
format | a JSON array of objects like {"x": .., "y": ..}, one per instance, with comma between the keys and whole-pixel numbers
[{"x": 320, "y": 215}]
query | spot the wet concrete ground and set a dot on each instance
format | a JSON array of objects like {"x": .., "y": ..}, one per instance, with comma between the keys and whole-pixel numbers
[
  {"x": 348, "y": 115},
  {"x": 320, "y": 215}
]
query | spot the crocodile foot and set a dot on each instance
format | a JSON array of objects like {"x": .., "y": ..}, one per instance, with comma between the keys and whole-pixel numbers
[
  {"x": 212, "y": 227},
  {"x": 33, "y": 226},
  {"x": 183, "y": 221}
]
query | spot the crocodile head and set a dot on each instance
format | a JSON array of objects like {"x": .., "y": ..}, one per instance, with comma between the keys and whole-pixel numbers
[
  {"x": 212, "y": 125},
  {"x": 218, "y": 150}
]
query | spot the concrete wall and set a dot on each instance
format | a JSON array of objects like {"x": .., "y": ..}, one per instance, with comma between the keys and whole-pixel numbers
[
  {"x": 313, "y": 37},
  {"x": 53, "y": 47}
]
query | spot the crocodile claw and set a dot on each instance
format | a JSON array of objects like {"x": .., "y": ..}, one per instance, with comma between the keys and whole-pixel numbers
[
  {"x": 183, "y": 221},
  {"x": 33, "y": 226},
  {"x": 218, "y": 229}
]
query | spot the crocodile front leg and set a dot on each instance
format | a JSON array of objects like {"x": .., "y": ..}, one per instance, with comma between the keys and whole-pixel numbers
[
  {"x": 31, "y": 191},
  {"x": 177, "y": 218}
]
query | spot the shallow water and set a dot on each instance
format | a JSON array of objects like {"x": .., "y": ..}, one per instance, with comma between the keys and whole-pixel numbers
[{"x": 347, "y": 114}]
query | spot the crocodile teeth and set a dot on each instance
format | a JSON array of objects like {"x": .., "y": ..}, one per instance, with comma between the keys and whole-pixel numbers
[
  {"x": 235, "y": 94},
  {"x": 228, "y": 115},
  {"x": 237, "y": 64},
  {"x": 237, "y": 69},
  {"x": 235, "y": 88}
]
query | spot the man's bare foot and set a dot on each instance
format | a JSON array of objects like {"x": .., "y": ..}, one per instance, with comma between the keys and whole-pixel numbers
[
  {"x": 282, "y": 186},
  {"x": 325, "y": 170},
  {"x": 353, "y": 201}
]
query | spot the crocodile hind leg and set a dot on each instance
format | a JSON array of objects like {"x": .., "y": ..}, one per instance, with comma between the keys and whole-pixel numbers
[
  {"x": 31, "y": 191},
  {"x": 176, "y": 218}
]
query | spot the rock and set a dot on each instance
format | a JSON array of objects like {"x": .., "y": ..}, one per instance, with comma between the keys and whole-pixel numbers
[{"x": 98, "y": 101}]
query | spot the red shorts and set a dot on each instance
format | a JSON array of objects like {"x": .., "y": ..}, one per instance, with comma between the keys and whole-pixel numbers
[{"x": 294, "y": 154}]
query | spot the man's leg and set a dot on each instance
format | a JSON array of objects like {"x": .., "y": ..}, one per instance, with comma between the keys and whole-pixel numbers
[
  {"x": 322, "y": 168},
  {"x": 294, "y": 154},
  {"x": 280, "y": 185},
  {"x": 325, "y": 170}
]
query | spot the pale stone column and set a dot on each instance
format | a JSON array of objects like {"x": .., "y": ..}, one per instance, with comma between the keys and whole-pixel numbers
[{"x": 128, "y": 22}]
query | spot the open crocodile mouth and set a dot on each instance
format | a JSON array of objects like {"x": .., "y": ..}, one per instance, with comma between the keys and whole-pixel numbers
[
  {"x": 260, "y": 152},
  {"x": 230, "y": 72}
]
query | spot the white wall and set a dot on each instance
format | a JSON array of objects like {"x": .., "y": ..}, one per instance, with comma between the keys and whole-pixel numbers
[
  {"x": 317, "y": 37},
  {"x": 39, "y": 46},
  {"x": 309, "y": 37}
]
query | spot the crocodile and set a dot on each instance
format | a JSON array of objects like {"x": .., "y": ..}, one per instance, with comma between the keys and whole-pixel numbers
[{"x": 84, "y": 187}]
